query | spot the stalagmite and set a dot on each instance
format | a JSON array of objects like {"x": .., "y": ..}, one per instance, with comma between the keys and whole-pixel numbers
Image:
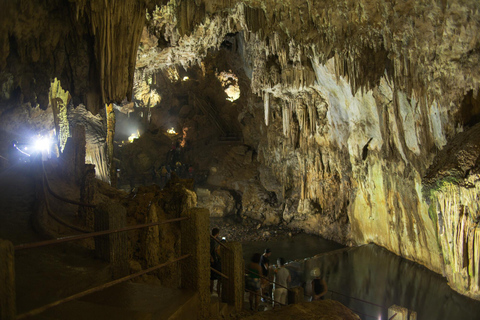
[{"x": 59, "y": 100}]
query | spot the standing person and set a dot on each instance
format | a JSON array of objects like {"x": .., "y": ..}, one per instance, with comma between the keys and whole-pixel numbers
[
  {"x": 253, "y": 280},
  {"x": 163, "y": 176},
  {"x": 280, "y": 285},
  {"x": 265, "y": 264},
  {"x": 319, "y": 286},
  {"x": 215, "y": 262}
]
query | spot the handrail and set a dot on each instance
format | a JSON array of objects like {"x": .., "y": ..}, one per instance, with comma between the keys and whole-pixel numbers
[
  {"x": 93, "y": 234},
  {"x": 218, "y": 272},
  {"x": 363, "y": 314},
  {"x": 268, "y": 298},
  {"x": 271, "y": 281},
  {"x": 374, "y": 304},
  {"x": 220, "y": 243},
  {"x": 60, "y": 197},
  {"x": 54, "y": 216},
  {"x": 98, "y": 288}
]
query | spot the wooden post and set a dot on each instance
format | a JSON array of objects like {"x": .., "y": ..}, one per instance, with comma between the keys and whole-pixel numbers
[
  {"x": 295, "y": 295},
  {"x": 400, "y": 313},
  {"x": 196, "y": 269},
  {"x": 7, "y": 281},
  {"x": 112, "y": 247},
  {"x": 233, "y": 267}
]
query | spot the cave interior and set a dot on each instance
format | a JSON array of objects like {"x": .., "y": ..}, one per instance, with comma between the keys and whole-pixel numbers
[{"x": 354, "y": 120}]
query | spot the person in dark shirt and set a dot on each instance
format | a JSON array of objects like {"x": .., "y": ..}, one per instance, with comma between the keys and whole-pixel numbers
[
  {"x": 253, "y": 281},
  {"x": 215, "y": 261},
  {"x": 319, "y": 286},
  {"x": 265, "y": 264}
]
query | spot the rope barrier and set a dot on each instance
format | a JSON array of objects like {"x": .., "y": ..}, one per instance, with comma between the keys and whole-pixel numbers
[
  {"x": 60, "y": 197},
  {"x": 218, "y": 272},
  {"x": 268, "y": 298},
  {"x": 98, "y": 288},
  {"x": 220, "y": 243},
  {"x": 271, "y": 281},
  {"x": 374, "y": 304},
  {"x": 93, "y": 234},
  {"x": 363, "y": 314},
  {"x": 54, "y": 216}
]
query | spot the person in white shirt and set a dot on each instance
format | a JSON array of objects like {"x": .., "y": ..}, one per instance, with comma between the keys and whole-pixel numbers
[{"x": 282, "y": 280}]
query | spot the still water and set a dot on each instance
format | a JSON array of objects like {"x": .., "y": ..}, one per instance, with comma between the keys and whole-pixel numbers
[{"x": 372, "y": 274}]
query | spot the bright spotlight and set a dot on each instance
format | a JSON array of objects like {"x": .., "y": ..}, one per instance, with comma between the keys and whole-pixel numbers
[{"x": 42, "y": 144}]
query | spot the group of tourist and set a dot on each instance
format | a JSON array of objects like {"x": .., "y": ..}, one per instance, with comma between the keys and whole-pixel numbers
[
  {"x": 258, "y": 274},
  {"x": 257, "y": 280}
]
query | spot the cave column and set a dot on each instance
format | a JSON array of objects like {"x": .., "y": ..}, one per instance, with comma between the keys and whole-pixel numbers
[
  {"x": 233, "y": 267},
  {"x": 7, "y": 281},
  {"x": 79, "y": 144},
  {"x": 196, "y": 269},
  {"x": 112, "y": 171}
]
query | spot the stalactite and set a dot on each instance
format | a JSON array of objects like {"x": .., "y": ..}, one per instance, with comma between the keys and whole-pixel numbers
[
  {"x": 267, "y": 107},
  {"x": 117, "y": 27},
  {"x": 96, "y": 155},
  {"x": 285, "y": 120}
]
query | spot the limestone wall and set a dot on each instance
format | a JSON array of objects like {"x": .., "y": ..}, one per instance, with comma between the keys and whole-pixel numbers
[{"x": 357, "y": 98}]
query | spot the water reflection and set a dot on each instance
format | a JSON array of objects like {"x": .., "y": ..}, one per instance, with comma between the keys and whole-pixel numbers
[
  {"x": 373, "y": 274},
  {"x": 370, "y": 273},
  {"x": 299, "y": 246}
]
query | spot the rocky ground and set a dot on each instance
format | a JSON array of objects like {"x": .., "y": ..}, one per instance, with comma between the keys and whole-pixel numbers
[{"x": 244, "y": 229}]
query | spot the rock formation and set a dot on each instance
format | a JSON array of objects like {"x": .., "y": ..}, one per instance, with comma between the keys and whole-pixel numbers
[{"x": 356, "y": 119}]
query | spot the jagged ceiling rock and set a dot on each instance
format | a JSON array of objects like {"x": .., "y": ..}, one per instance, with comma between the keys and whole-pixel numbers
[
  {"x": 90, "y": 46},
  {"x": 427, "y": 47}
]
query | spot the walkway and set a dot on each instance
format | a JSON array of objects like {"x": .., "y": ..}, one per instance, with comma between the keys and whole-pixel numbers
[{"x": 45, "y": 274}]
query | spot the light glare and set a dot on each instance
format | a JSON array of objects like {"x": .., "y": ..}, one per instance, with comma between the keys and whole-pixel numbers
[{"x": 42, "y": 144}]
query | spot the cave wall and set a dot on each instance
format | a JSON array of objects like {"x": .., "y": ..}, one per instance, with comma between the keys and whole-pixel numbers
[{"x": 352, "y": 101}]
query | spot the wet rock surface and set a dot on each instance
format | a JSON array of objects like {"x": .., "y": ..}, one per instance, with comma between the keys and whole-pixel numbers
[{"x": 246, "y": 229}]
